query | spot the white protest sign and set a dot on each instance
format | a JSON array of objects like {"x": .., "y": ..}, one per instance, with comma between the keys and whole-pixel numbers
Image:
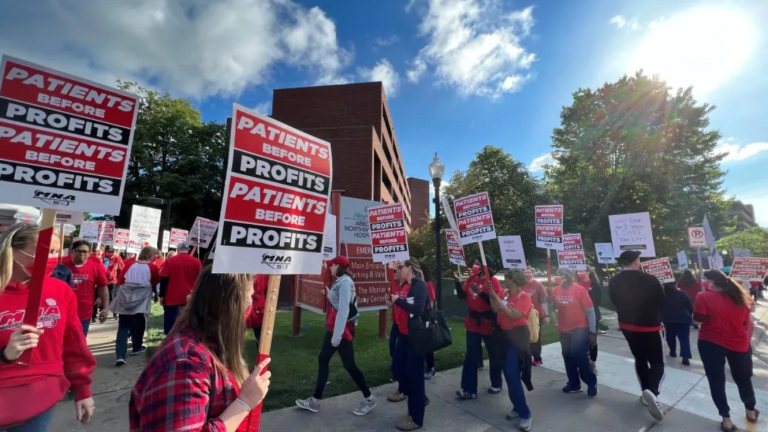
[
  {"x": 329, "y": 239},
  {"x": 604, "y": 253},
  {"x": 632, "y": 232},
  {"x": 709, "y": 235},
  {"x": 122, "y": 237},
  {"x": 145, "y": 225},
  {"x": 741, "y": 253},
  {"x": 202, "y": 232},
  {"x": 449, "y": 214},
  {"x": 68, "y": 217},
  {"x": 572, "y": 256},
  {"x": 178, "y": 236},
  {"x": 661, "y": 268},
  {"x": 166, "y": 241},
  {"x": 455, "y": 250},
  {"x": 133, "y": 247},
  {"x": 549, "y": 226},
  {"x": 474, "y": 218},
  {"x": 512, "y": 253},
  {"x": 697, "y": 237},
  {"x": 389, "y": 239},
  {"x": 682, "y": 260},
  {"x": 106, "y": 233},
  {"x": 89, "y": 231}
]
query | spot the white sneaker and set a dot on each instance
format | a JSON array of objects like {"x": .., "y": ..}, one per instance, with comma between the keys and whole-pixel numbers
[
  {"x": 642, "y": 401},
  {"x": 365, "y": 406},
  {"x": 594, "y": 368},
  {"x": 654, "y": 407},
  {"x": 309, "y": 404},
  {"x": 526, "y": 424}
]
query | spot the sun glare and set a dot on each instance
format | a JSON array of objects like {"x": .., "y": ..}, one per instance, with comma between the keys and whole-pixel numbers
[{"x": 704, "y": 47}]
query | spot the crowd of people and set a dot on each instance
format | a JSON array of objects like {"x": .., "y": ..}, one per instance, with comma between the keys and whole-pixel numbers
[{"x": 198, "y": 379}]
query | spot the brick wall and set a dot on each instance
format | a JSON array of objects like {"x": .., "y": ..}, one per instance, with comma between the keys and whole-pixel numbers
[{"x": 420, "y": 202}]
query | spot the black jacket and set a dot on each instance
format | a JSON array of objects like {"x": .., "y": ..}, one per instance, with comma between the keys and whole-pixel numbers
[
  {"x": 677, "y": 308},
  {"x": 639, "y": 298},
  {"x": 418, "y": 291}
]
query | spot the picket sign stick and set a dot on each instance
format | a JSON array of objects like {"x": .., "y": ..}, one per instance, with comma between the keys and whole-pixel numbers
[
  {"x": 42, "y": 251},
  {"x": 61, "y": 243},
  {"x": 265, "y": 342},
  {"x": 549, "y": 268},
  {"x": 701, "y": 269},
  {"x": 485, "y": 266}
]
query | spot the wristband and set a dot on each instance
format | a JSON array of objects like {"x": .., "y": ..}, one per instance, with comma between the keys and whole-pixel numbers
[
  {"x": 243, "y": 403},
  {"x": 3, "y": 358}
]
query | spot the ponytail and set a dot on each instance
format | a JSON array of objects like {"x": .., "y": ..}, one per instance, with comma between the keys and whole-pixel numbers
[
  {"x": 17, "y": 236},
  {"x": 732, "y": 289}
]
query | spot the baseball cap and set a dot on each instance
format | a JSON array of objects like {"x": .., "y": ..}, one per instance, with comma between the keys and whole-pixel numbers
[
  {"x": 183, "y": 247},
  {"x": 340, "y": 260},
  {"x": 628, "y": 257}
]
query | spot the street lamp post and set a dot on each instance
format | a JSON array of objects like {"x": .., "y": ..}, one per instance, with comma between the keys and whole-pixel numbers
[{"x": 436, "y": 171}]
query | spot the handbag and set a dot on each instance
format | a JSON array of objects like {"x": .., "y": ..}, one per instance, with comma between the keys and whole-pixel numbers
[{"x": 429, "y": 332}]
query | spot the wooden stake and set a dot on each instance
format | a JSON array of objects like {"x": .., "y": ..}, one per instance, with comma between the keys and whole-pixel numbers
[
  {"x": 61, "y": 243},
  {"x": 485, "y": 266}
]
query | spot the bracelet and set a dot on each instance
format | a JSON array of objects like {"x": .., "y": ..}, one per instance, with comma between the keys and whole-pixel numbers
[
  {"x": 243, "y": 403},
  {"x": 3, "y": 358}
]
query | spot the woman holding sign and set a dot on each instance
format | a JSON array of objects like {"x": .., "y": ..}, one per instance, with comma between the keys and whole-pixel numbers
[{"x": 60, "y": 358}]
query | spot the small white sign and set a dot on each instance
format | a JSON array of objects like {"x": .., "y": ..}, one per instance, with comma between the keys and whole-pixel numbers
[
  {"x": 604, "y": 253},
  {"x": 166, "y": 241},
  {"x": 632, "y": 232},
  {"x": 682, "y": 260},
  {"x": 329, "y": 239},
  {"x": 69, "y": 217},
  {"x": 696, "y": 237},
  {"x": 512, "y": 253}
]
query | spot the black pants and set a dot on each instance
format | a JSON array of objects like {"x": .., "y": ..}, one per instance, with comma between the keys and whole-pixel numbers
[
  {"x": 593, "y": 353},
  {"x": 410, "y": 369},
  {"x": 648, "y": 351},
  {"x": 536, "y": 346},
  {"x": 714, "y": 356},
  {"x": 430, "y": 358},
  {"x": 347, "y": 353}
]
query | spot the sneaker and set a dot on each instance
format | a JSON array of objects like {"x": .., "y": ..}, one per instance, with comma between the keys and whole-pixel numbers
[
  {"x": 536, "y": 363},
  {"x": 642, "y": 401},
  {"x": 513, "y": 416},
  {"x": 408, "y": 425},
  {"x": 571, "y": 389},
  {"x": 139, "y": 351},
  {"x": 494, "y": 390},
  {"x": 654, "y": 407},
  {"x": 120, "y": 362},
  {"x": 592, "y": 391},
  {"x": 309, "y": 404},
  {"x": 464, "y": 395},
  {"x": 365, "y": 406},
  {"x": 526, "y": 424},
  {"x": 686, "y": 362},
  {"x": 428, "y": 375},
  {"x": 397, "y": 397},
  {"x": 594, "y": 367}
]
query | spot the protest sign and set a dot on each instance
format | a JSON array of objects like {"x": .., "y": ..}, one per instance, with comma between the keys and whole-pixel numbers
[
  {"x": 604, "y": 253},
  {"x": 455, "y": 250},
  {"x": 682, "y": 260},
  {"x": 65, "y": 142},
  {"x": 474, "y": 219},
  {"x": 276, "y": 197},
  {"x": 512, "y": 253},
  {"x": 202, "y": 232},
  {"x": 89, "y": 231},
  {"x": 145, "y": 225},
  {"x": 709, "y": 235},
  {"x": 106, "y": 233},
  {"x": 632, "y": 232},
  {"x": 741, "y": 253},
  {"x": 178, "y": 236},
  {"x": 121, "y": 239},
  {"x": 549, "y": 227},
  {"x": 68, "y": 229},
  {"x": 660, "y": 268},
  {"x": 696, "y": 237},
  {"x": 166, "y": 241},
  {"x": 749, "y": 269},
  {"x": 68, "y": 217},
  {"x": 449, "y": 214},
  {"x": 389, "y": 240},
  {"x": 329, "y": 238},
  {"x": 134, "y": 247},
  {"x": 572, "y": 256}
]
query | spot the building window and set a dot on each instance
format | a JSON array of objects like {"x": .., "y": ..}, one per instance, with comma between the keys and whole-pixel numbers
[{"x": 387, "y": 183}]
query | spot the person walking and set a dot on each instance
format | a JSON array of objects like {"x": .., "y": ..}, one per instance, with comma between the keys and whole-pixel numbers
[
  {"x": 133, "y": 301},
  {"x": 595, "y": 288},
  {"x": 577, "y": 326},
  {"x": 177, "y": 277},
  {"x": 398, "y": 286},
  {"x": 198, "y": 379},
  {"x": 639, "y": 298},
  {"x": 60, "y": 358},
  {"x": 89, "y": 277},
  {"x": 691, "y": 287},
  {"x": 114, "y": 269},
  {"x": 432, "y": 296},
  {"x": 340, "y": 322},
  {"x": 726, "y": 331},
  {"x": 677, "y": 316},
  {"x": 513, "y": 310},
  {"x": 479, "y": 324},
  {"x": 538, "y": 294}
]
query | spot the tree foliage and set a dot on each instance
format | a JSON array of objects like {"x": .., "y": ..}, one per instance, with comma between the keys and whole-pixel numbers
[
  {"x": 635, "y": 146},
  {"x": 754, "y": 239}
]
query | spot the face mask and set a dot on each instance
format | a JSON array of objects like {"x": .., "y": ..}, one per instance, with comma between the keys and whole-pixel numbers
[
  {"x": 475, "y": 269},
  {"x": 528, "y": 277}
]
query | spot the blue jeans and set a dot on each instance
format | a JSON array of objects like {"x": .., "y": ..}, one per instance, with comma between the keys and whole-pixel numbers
[
  {"x": 170, "y": 313},
  {"x": 575, "y": 346},
  {"x": 514, "y": 385},
  {"x": 35, "y": 424},
  {"x": 127, "y": 324},
  {"x": 469, "y": 371},
  {"x": 682, "y": 332},
  {"x": 86, "y": 326}
]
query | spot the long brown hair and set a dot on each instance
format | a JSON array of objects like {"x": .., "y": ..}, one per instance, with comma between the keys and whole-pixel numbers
[
  {"x": 217, "y": 313},
  {"x": 18, "y": 236},
  {"x": 732, "y": 289}
]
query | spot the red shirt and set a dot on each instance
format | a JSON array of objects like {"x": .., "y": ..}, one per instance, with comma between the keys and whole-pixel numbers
[
  {"x": 182, "y": 272},
  {"x": 401, "y": 316},
  {"x": 431, "y": 291},
  {"x": 570, "y": 303},
  {"x": 691, "y": 291},
  {"x": 538, "y": 293},
  {"x": 158, "y": 262},
  {"x": 154, "y": 273},
  {"x": 727, "y": 324},
  {"x": 520, "y": 301},
  {"x": 259, "y": 299},
  {"x": 477, "y": 304},
  {"x": 60, "y": 359},
  {"x": 85, "y": 279},
  {"x": 116, "y": 265}
]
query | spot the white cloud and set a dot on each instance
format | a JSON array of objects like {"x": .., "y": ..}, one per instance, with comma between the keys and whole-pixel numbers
[
  {"x": 384, "y": 72},
  {"x": 737, "y": 152},
  {"x": 619, "y": 21},
  {"x": 264, "y": 107},
  {"x": 537, "y": 165},
  {"x": 195, "y": 48},
  {"x": 475, "y": 46},
  {"x": 632, "y": 24},
  {"x": 386, "y": 41}
]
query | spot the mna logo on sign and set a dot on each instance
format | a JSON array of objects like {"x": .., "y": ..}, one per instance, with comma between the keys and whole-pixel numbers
[
  {"x": 56, "y": 199},
  {"x": 276, "y": 262}
]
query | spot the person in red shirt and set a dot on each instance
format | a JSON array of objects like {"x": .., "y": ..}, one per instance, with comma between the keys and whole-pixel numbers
[
  {"x": 89, "y": 277},
  {"x": 538, "y": 294},
  {"x": 259, "y": 302},
  {"x": 115, "y": 267},
  {"x": 430, "y": 358},
  {"x": 60, "y": 357},
  {"x": 726, "y": 331},
  {"x": 177, "y": 277},
  {"x": 578, "y": 330},
  {"x": 400, "y": 287},
  {"x": 198, "y": 379},
  {"x": 479, "y": 325}
]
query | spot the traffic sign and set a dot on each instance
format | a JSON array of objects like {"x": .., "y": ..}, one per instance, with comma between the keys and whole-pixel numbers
[{"x": 696, "y": 237}]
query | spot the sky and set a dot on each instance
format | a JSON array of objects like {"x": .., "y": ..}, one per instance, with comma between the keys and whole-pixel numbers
[{"x": 458, "y": 74}]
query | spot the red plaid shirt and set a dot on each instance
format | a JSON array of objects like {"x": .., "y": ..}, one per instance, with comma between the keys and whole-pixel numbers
[{"x": 174, "y": 391}]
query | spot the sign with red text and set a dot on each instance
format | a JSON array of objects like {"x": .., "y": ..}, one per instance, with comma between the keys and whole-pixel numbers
[
  {"x": 749, "y": 269},
  {"x": 572, "y": 256},
  {"x": 121, "y": 239},
  {"x": 632, "y": 232},
  {"x": 134, "y": 247},
  {"x": 166, "y": 241},
  {"x": 512, "y": 253},
  {"x": 178, "y": 236},
  {"x": 660, "y": 268},
  {"x": 474, "y": 219},
  {"x": 549, "y": 227},
  {"x": 65, "y": 142},
  {"x": 106, "y": 233},
  {"x": 276, "y": 196},
  {"x": 455, "y": 250},
  {"x": 696, "y": 237},
  {"x": 389, "y": 240},
  {"x": 202, "y": 232}
]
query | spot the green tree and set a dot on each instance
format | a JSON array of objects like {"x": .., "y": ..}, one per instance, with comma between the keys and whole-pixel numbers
[
  {"x": 636, "y": 146},
  {"x": 754, "y": 239}
]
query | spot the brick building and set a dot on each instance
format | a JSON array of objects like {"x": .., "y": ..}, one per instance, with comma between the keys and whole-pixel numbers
[{"x": 419, "y": 202}]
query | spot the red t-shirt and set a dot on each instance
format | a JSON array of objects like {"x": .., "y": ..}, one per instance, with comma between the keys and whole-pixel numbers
[
  {"x": 400, "y": 315},
  {"x": 520, "y": 301},
  {"x": 259, "y": 299},
  {"x": 727, "y": 324},
  {"x": 182, "y": 272},
  {"x": 570, "y": 304},
  {"x": 431, "y": 291},
  {"x": 537, "y": 292},
  {"x": 85, "y": 279},
  {"x": 477, "y": 304}
]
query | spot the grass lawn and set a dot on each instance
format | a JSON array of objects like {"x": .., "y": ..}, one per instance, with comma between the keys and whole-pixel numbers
[{"x": 294, "y": 360}]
